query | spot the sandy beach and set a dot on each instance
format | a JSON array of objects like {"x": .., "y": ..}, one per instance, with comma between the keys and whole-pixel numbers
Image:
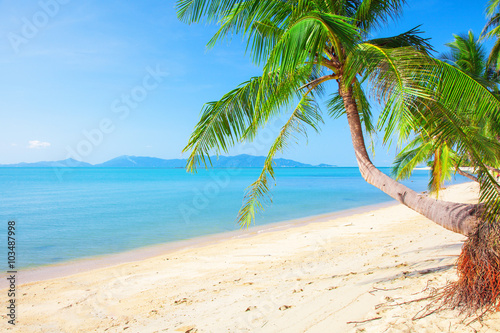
[{"x": 356, "y": 273}]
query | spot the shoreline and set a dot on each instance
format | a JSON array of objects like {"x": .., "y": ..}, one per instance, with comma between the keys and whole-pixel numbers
[
  {"x": 86, "y": 264},
  {"x": 366, "y": 272}
]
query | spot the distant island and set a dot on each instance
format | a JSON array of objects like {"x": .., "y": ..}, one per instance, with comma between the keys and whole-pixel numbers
[{"x": 125, "y": 161}]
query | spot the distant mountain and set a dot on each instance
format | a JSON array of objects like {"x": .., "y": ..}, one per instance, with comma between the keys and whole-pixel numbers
[
  {"x": 71, "y": 163},
  {"x": 125, "y": 161},
  {"x": 249, "y": 161},
  {"x": 245, "y": 161}
]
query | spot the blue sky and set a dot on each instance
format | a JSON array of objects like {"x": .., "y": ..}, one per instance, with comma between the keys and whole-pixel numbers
[{"x": 94, "y": 80}]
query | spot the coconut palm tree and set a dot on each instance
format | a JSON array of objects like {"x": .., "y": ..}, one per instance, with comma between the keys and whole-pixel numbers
[
  {"x": 467, "y": 54},
  {"x": 492, "y": 30},
  {"x": 439, "y": 157},
  {"x": 304, "y": 47}
]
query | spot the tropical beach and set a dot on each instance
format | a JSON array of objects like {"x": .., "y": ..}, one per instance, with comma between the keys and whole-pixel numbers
[
  {"x": 142, "y": 207},
  {"x": 353, "y": 273},
  {"x": 329, "y": 166}
]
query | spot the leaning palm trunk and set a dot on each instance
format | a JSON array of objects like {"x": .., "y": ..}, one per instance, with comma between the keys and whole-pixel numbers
[
  {"x": 478, "y": 266},
  {"x": 457, "y": 217},
  {"x": 468, "y": 175},
  {"x": 492, "y": 169}
]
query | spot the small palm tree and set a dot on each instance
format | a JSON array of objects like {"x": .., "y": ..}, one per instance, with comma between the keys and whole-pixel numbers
[
  {"x": 305, "y": 45},
  {"x": 439, "y": 157},
  {"x": 467, "y": 53}
]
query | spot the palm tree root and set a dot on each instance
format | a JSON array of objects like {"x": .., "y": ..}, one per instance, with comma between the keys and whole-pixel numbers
[{"x": 477, "y": 289}]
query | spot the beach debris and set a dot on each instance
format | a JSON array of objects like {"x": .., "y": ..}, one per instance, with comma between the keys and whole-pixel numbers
[
  {"x": 250, "y": 308},
  {"x": 363, "y": 321},
  {"x": 284, "y": 307},
  {"x": 192, "y": 330},
  {"x": 382, "y": 289},
  {"x": 297, "y": 291},
  {"x": 180, "y": 301},
  {"x": 332, "y": 288},
  {"x": 407, "y": 302}
]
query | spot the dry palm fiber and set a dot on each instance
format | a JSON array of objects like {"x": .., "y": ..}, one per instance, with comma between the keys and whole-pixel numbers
[{"x": 478, "y": 268}]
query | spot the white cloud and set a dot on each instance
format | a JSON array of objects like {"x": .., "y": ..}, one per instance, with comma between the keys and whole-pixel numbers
[{"x": 35, "y": 144}]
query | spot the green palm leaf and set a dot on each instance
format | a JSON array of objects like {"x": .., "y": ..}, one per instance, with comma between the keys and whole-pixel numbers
[
  {"x": 304, "y": 42},
  {"x": 306, "y": 114},
  {"x": 415, "y": 153},
  {"x": 240, "y": 113}
]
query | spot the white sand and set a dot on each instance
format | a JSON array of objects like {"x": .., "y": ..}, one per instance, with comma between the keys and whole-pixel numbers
[{"x": 313, "y": 278}]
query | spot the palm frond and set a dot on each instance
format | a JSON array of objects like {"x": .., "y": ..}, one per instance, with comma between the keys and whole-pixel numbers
[
  {"x": 259, "y": 22},
  {"x": 479, "y": 149},
  {"x": 222, "y": 123},
  {"x": 335, "y": 106},
  {"x": 409, "y": 38},
  {"x": 306, "y": 39},
  {"x": 336, "y": 109},
  {"x": 364, "y": 108},
  {"x": 493, "y": 58},
  {"x": 372, "y": 14},
  {"x": 492, "y": 6},
  {"x": 435, "y": 178},
  {"x": 240, "y": 113},
  {"x": 440, "y": 167},
  {"x": 451, "y": 84},
  {"x": 405, "y": 80},
  {"x": 392, "y": 73},
  {"x": 191, "y": 11},
  {"x": 278, "y": 90},
  {"x": 468, "y": 54},
  {"x": 415, "y": 153},
  {"x": 306, "y": 114}
]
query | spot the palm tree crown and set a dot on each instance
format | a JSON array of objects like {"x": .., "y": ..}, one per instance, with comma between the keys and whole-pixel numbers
[{"x": 303, "y": 45}]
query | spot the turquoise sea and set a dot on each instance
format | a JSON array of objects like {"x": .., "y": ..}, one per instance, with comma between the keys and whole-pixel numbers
[{"x": 64, "y": 214}]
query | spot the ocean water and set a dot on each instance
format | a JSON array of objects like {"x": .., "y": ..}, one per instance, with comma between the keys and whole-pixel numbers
[{"x": 64, "y": 214}]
